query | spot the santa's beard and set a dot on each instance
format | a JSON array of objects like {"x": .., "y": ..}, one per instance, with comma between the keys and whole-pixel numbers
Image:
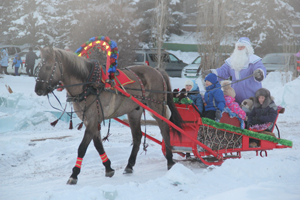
[{"x": 239, "y": 59}]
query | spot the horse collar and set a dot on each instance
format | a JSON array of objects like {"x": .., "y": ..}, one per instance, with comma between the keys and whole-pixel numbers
[{"x": 94, "y": 87}]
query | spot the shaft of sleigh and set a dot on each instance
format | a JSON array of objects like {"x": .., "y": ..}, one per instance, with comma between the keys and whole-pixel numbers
[{"x": 218, "y": 156}]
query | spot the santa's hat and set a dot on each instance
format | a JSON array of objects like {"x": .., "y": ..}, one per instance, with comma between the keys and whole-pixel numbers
[
  {"x": 245, "y": 41},
  {"x": 227, "y": 89}
]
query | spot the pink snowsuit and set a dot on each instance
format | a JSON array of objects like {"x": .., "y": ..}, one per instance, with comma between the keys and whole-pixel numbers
[{"x": 234, "y": 107}]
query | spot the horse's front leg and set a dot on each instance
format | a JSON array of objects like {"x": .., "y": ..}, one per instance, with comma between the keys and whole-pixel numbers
[
  {"x": 109, "y": 172},
  {"x": 81, "y": 152}
]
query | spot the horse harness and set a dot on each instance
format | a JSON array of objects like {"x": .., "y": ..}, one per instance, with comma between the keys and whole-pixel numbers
[
  {"x": 59, "y": 64},
  {"x": 94, "y": 86}
]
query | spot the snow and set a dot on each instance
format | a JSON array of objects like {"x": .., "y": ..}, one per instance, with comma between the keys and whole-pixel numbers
[{"x": 40, "y": 169}]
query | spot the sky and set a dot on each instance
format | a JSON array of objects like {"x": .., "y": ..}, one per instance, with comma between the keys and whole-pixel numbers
[{"x": 35, "y": 165}]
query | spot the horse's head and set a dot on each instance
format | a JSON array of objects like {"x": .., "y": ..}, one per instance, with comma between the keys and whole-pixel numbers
[{"x": 50, "y": 71}]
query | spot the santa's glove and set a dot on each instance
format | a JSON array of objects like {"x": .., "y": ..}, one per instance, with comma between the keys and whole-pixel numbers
[
  {"x": 206, "y": 72},
  {"x": 258, "y": 74},
  {"x": 218, "y": 115},
  {"x": 111, "y": 76}
]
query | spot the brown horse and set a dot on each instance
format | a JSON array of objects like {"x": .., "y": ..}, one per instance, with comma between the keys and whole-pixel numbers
[{"x": 59, "y": 66}]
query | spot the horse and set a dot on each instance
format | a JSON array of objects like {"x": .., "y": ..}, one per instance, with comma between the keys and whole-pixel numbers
[{"x": 64, "y": 67}]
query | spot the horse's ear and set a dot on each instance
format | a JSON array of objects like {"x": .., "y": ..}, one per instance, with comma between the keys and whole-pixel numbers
[
  {"x": 42, "y": 51},
  {"x": 51, "y": 50}
]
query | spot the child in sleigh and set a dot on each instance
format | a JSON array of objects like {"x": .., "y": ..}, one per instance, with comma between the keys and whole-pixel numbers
[{"x": 263, "y": 114}]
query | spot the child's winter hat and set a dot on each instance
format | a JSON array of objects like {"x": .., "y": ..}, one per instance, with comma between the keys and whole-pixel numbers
[
  {"x": 189, "y": 82},
  {"x": 211, "y": 78},
  {"x": 227, "y": 89},
  {"x": 262, "y": 92}
]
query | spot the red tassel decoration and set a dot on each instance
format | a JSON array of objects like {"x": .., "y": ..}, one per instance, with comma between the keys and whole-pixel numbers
[
  {"x": 99, "y": 126},
  {"x": 71, "y": 125},
  {"x": 107, "y": 39},
  {"x": 54, "y": 123},
  {"x": 80, "y": 126}
]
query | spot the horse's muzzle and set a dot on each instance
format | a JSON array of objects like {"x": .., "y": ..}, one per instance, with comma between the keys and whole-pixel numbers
[{"x": 40, "y": 92}]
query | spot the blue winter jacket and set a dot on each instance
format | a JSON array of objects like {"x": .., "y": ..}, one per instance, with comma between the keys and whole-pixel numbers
[
  {"x": 195, "y": 96},
  {"x": 17, "y": 62},
  {"x": 4, "y": 60},
  {"x": 214, "y": 98}
]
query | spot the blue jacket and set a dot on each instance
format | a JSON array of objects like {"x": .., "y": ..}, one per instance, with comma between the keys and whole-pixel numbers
[
  {"x": 17, "y": 62},
  {"x": 214, "y": 98},
  {"x": 4, "y": 60},
  {"x": 195, "y": 96}
]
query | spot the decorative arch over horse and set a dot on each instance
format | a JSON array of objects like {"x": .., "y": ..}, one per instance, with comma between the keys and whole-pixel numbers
[
  {"x": 93, "y": 102},
  {"x": 106, "y": 45}
]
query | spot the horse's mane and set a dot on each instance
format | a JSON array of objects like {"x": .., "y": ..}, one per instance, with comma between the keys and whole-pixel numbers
[{"x": 79, "y": 67}]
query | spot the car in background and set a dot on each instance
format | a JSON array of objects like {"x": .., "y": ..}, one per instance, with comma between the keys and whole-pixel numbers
[
  {"x": 190, "y": 71},
  {"x": 11, "y": 50},
  {"x": 172, "y": 65},
  {"x": 280, "y": 62},
  {"x": 23, "y": 54}
]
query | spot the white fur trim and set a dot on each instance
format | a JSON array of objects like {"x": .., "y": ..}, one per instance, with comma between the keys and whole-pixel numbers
[
  {"x": 254, "y": 59},
  {"x": 237, "y": 74}
]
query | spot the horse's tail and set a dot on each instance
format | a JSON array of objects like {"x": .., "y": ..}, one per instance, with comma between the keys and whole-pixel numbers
[{"x": 175, "y": 116}]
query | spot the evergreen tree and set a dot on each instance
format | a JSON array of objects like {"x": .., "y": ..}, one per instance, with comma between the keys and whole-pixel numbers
[
  {"x": 267, "y": 23},
  {"x": 110, "y": 19}
]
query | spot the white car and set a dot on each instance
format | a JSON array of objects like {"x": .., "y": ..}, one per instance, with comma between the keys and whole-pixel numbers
[
  {"x": 22, "y": 54},
  {"x": 190, "y": 71}
]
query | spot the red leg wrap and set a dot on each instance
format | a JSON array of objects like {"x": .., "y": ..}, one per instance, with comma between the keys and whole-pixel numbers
[
  {"x": 104, "y": 157},
  {"x": 78, "y": 162}
]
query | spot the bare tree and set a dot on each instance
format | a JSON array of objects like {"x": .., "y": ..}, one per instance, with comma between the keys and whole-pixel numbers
[
  {"x": 213, "y": 30},
  {"x": 159, "y": 30}
]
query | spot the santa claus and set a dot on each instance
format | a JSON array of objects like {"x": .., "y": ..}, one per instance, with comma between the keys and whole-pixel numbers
[{"x": 241, "y": 64}]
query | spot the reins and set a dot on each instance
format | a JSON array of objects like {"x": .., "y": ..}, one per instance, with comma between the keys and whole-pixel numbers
[{"x": 157, "y": 91}]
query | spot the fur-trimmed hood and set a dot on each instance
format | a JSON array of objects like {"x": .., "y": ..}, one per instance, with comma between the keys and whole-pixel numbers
[{"x": 268, "y": 98}]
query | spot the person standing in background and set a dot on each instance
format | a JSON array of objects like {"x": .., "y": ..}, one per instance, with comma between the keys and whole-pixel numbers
[
  {"x": 17, "y": 62},
  {"x": 30, "y": 61},
  {"x": 4, "y": 62}
]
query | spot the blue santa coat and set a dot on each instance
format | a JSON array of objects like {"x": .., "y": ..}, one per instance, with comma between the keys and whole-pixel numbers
[
  {"x": 196, "y": 97},
  {"x": 246, "y": 88}
]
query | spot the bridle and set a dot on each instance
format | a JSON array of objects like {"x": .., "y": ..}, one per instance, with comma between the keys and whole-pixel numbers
[{"x": 49, "y": 82}]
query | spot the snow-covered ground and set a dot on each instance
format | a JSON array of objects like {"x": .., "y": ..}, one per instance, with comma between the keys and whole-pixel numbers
[{"x": 40, "y": 169}]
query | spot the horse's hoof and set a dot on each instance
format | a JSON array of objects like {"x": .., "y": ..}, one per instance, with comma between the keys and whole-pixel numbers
[
  {"x": 72, "y": 181},
  {"x": 170, "y": 165},
  {"x": 128, "y": 171},
  {"x": 110, "y": 174}
]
